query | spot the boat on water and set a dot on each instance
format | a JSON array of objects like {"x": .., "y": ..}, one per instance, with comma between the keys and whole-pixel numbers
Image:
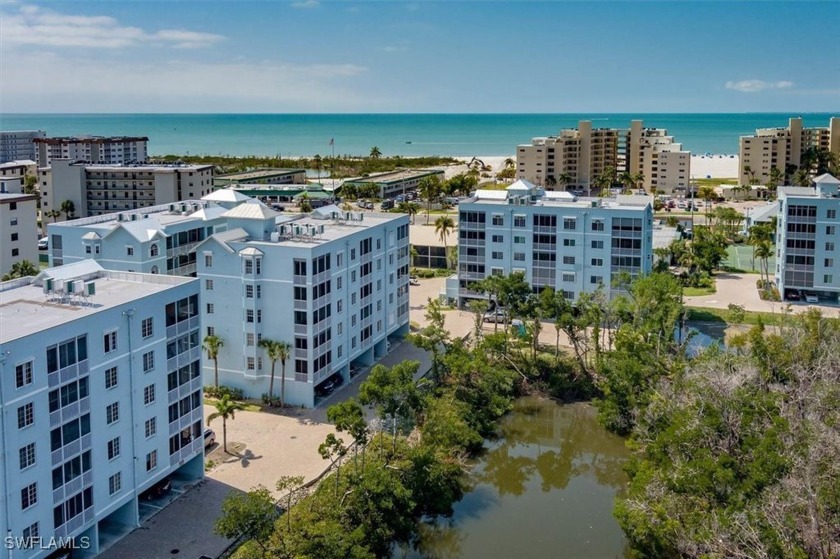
[{"x": 408, "y": 141}]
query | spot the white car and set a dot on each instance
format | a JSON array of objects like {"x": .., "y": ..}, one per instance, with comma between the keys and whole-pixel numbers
[
  {"x": 413, "y": 280},
  {"x": 811, "y": 297},
  {"x": 495, "y": 316},
  {"x": 44, "y": 244}
]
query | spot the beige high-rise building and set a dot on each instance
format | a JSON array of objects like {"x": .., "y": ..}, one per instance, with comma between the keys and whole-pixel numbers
[
  {"x": 783, "y": 148},
  {"x": 114, "y": 150},
  {"x": 580, "y": 155}
]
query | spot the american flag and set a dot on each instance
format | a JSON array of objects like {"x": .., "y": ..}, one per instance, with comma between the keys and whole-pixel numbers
[{"x": 332, "y": 141}]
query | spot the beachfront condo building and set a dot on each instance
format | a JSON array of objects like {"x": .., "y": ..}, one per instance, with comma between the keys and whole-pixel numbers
[
  {"x": 101, "y": 398},
  {"x": 19, "y": 145},
  {"x": 331, "y": 284},
  {"x": 114, "y": 150},
  {"x": 783, "y": 148},
  {"x": 575, "y": 158},
  {"x": 18, "y": 230},
  {"x": 98, "y": 189},
  {"x": 572, "y": 244},
  {"x": 808, "y": 233},
  {"x": 392, "y": 184}
]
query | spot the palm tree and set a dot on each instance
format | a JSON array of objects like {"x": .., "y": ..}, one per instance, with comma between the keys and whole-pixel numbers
[
  {"x": 277, "y": 351},
  {"x": 318, "y": 163},
  {"x": 429, "y": 189},
  {"x": 375, "y": 153},
  {"x": 509, "y": 162},
  {"x": 412, "y": 252},
  {"x": 639, "y": 180},
  {"x": 212, "y": 344},
  {"x": 444, "y": 225},
  {"x": 750, "y": 173},
  {"x": 564, "y": 179},
  {"x": 54, "y": 214},
  {"x": 304, "y": 204},
  {"x": 409, "y": 208},
  {"x": 708, "y": 194},
  {"x": 21, "y": 269},
  {"x": 776, "y": 177},
  {"x": 68, "y": 208},
  {"x": 627, "y": 179},
  {"x": 763, "y": 252},
  {"x": 802, "y": 177},
  {"x": 226, "y": 409},
  {"x": 550, "y": 181}
]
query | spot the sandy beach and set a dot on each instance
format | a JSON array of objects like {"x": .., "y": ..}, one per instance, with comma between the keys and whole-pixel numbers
[{"x": 702, "y": 166}]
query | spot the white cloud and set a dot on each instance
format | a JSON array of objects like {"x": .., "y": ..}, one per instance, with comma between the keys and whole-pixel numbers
[
  {"x": 35, "y": 26},
  {"x": 306, "y": 4},
  {"x": 753, "y": 86}
]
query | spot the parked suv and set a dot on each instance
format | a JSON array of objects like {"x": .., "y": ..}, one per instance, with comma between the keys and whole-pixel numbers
[{"x": 209, "y": 438}]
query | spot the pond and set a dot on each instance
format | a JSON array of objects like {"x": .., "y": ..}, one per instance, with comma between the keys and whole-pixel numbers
[{"x": 545, "y": 488}]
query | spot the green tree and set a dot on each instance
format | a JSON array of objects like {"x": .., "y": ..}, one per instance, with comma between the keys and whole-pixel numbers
[
  {"x": 392, "y": 392},
  {"x": 68, "y": 208},
  {"x": 444, "y": 226},
  {"x": 430, "y": 189},
  {"x": 248, "y": 515},
  {"x": 290, "y": 484},
  {"x": 349, "y": 417},
  {"x": 564, "y": 180},
  {"x": 212, "y": 344},
  {"x": 707, "y": 193},
  {"x": 434, "y": 337},
  {"x": 226, "y": 409},
  {"x": 21, "y": 269},
  {"x": 409, "y": 208},
  {"x": 304, "y": 203},
  {"x": 54, "y": 214},
  {"x": 479, "y": 308},
  {"x": 277, "y": 351},
  {"x": 375, "y": 153},
  {"x": 333, "y": 449},
  {"x": 776, "y": 178}
]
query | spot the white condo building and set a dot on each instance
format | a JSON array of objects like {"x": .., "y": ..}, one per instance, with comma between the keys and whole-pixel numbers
[
  {"x": 556, "y": 239},
  {"x": 114, "y": 150},
  {"x": 101, "y": 399},
  {"x": 19, "y": 144},
  {"x": 102, "y": 189},
  {"x": 332, "y": 284},
  {"x": 18, "y": 230},
  {"x": 808, "y": 239}
]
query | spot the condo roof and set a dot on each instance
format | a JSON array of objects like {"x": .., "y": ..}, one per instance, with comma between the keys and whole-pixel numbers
[
  {"x": 225, "y": 195},
  {"x": 24, "y": 304},
  {"x": 153, "y": 217},
  {"x": 259, "y": 174},
  {"x": 395, "y": 176},
  {"x": 254, "y": 210}
]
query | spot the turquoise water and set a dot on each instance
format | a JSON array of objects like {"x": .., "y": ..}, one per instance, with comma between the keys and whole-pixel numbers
[{"x": 292, "y": 135}]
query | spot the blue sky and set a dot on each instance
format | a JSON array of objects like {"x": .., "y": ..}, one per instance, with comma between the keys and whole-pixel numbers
[{"x": 318, "y": 56}]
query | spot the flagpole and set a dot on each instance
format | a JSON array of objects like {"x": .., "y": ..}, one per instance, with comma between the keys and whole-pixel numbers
[{"x": 332, "y": 166}]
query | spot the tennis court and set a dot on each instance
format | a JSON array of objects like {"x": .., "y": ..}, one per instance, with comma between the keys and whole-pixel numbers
[{"x": 740, "y": 257}]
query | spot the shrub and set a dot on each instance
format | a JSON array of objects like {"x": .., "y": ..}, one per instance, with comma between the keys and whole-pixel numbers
[
  {"x": 219, "y": 391},
  {"x": 269, "y": 400}
]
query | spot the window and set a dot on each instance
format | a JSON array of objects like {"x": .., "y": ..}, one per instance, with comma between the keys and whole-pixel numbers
[
  {"x": 568, "y": 260},
  {"x": 353, "y": 342},
  {"x": 115, "y": 483},
  {"x": 597, "y": 261},
  {"x": 340, "y": 327},
  {"x": 110, "y": 341},
  {"x": 498, "y": 238},
  {"x": 353, "y": 276},
  {"x": 88, "y": 249},
  {"x": 149, "y": 394},
  {"x": 568, "y": 242},
  {"x": 208, "y": 285},
  {"x": 830, "y": 230},
  {"x": 251, "y": 364},
  {"x": 597, "y": 244},
  {"x": 568, "y": 277},
  {"x": 831, "y": 214},
  {"x": 151, "y": 427},
  {"x": 497, "y": 271},
  {"x": 569, "y": 223},
  {"x": 519, "y": 221},
  {"x": 352, "y": 254},
  {"x": 829, "y": 247},
  {"x": 112, "y": 413},
  {"x": 498, "y": 220},
  {"x": 498, "y": 255},
  {"x": 339, "y": 259},
  {"x": 27, "y": 456},
  {"x": 28, "y": 496},
  {"x": 151, "y": 461},
  {"x": 519, "y": 240},
  {"x": 146, "y": 329},
  {"x": 15, "y": 252},
  {"x": 568, "y": 295},
  {"x": 31, "y": 535},
  {"x": 208, "y": 260},
  {"x": 249, "y": 266},
  {"x": 597, "y": 225},
  {"x": 13, "y": 221},
  {"x": 14, "y": 237},
  {"x": 519, "y": 256},
  {"x": 210, "y": 308},
  {"x": 148, "y": 361},
  {"x": 259, "y": 315},
  {"x": 129, "y": 251},
  {"x": 338, "y": 282},
  {"x": 339, "y": 305},
  {"x": 596, "y": 279},
  {"x": 211, "y": 331},
  {"x": 828, "y": 278},
  {"x": 249, "y": 339},
  {"x": 26, "y": 415},
  {"x": 23, "y": 374},
  {"x": 829, "y": 262},
  {"x": 110, "y": 378},
  {"x": 113, "y": 448}
]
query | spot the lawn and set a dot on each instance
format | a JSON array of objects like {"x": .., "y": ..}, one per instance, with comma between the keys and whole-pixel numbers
[
  {"x": 739, "y": 259},
  {"x": 699, "y": 291}
]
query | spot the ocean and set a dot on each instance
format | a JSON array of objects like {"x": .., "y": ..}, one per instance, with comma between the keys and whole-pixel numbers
[{"x": 294, "y": 135}]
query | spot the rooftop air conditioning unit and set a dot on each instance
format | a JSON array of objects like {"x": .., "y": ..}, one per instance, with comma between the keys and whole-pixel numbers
[{"x": 275, "y": 236}]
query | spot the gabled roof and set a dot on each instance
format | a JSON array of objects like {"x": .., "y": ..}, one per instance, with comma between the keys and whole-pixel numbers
[
  {"x": 143, "y": 230},
  {"x": 522, "y": 184},
  {"x": 226, "y": 195},
  {"x": 826, "y": 178},
  {"x": 482, "y": 194},
  {"x": 326, "y": 212},
  {"x": 764, "y": 213},
  {"x": 223, "y": 238},
  {"x": 91, "y": 236},
  {"x": 251, "y": 211},
  {"x": 71, "y": 271},
  {"x": 250, "y": 251},
  {"x": 210, "y": 212}
]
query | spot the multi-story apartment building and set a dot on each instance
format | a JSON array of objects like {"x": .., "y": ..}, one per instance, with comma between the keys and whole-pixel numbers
[
  {"x": 556, "y": 239},
  {"x": 582, "y": 154},
  {"x": 808, "y": 234},
  {"x": 332, "y": 284},
  {"x": 13, "y": 175},
  {"x": 93, "y": 149},
  {"x": 104, "y": 189},
  {"x": 394, "y": 183},
  {"x": 155, "y": 240},
  {"x": 18, "y": 230},
  {"x": 100, "y": 394},
  {"x": 783, "y": 148},
  {"x": 18, "y": 145}
]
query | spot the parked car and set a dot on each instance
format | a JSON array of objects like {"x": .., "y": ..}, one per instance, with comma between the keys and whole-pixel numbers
[
  {"x": 44, "y": 244},
  {"x": 387, "y": 204},
  {"x": 277, "y": 207},
  {"x": 209, "y": 437},
  {"x": 792, "y": 295},
  {"x": 811, "y": 297},
  {"x": 159, "y": 489},
  {"x": 326, "y": 388},
  {"x": 399, "y": 198},
  {"x": 413, "y": 280},
  {"x": 497, "y": 315}
]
